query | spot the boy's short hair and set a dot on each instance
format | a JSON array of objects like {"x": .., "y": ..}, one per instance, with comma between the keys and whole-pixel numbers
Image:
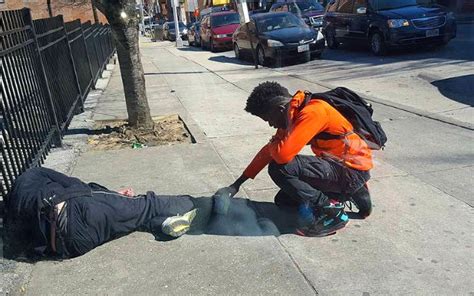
[{"x": 265, "y": 96}]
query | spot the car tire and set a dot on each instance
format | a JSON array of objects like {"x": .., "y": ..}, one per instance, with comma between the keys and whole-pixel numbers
[
  {"x": 331, "y": 39},
  {"x": 377, "y": 44},
  {"x": 317, "y": 55},
  {"x": 237, "y": 51},
  {"x": 261, "y": 59},
  {"x": 211, "y": 46}
]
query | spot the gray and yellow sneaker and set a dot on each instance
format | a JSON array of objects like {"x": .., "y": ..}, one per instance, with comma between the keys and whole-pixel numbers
[{"x": 178, "y": 225}]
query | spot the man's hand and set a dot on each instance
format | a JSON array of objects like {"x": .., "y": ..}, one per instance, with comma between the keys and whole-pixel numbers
[
  {"x": 222, "y": 199},
  {"x": 127, "y": 192}
]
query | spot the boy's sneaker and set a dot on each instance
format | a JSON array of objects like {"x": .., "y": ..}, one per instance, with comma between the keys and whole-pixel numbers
[
  {"x": 331, "y": 219},
  {"x": 361, "y": 199},
  {"x": 178, "y": 225}
]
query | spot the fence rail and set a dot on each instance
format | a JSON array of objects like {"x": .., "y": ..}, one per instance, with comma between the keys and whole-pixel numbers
[{"x": 47, "y": 69}]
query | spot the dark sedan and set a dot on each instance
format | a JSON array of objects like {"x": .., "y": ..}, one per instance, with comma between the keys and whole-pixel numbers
[
  {"x": 169, "y": 31},
  {"x": 277, "y": 37},
  {"x": 194, "y": 34},
  {"x": 309, "y": 10}
]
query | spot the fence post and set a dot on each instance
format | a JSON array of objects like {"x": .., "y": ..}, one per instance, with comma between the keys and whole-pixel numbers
[
  {"x": 57, "y": 139},
  {"x": 71, "y": 58},
  {"x": 88, "y": 58}
]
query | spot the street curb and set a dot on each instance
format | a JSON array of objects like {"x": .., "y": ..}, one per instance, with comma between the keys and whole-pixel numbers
[{"x": 416, "y": 111}]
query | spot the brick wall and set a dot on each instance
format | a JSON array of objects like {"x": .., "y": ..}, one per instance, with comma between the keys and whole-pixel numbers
[{"x": 69, "y": 11}]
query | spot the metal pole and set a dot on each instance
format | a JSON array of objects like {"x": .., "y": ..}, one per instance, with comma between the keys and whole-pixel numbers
[
  {"x": 179, "y": 42},
  {"x": 143, "y": 17}
]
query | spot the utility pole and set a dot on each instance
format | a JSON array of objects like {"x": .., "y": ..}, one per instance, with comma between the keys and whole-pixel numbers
[
  {"x": 179, "y": 41},
  {"x": 143, "y": 17}
]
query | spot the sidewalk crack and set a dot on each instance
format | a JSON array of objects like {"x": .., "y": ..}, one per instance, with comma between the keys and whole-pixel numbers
[{"x": 298, "y": 267}]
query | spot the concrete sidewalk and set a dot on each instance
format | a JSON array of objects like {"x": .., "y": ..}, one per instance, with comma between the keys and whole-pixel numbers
[{"x": 418, "y": 241}]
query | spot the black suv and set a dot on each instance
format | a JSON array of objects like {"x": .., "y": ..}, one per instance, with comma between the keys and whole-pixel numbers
[{"x": 388, "y": 23}]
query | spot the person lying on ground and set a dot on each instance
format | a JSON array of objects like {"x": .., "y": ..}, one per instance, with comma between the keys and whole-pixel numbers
[
  {"x": 61, "y": 216},
  {"x": 315, "y": 184}
]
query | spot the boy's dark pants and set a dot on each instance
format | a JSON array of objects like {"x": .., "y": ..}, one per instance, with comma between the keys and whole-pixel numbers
[{"x": 312, "y": 179}]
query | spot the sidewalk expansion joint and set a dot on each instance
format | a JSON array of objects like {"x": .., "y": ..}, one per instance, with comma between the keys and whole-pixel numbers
[{"x": 308, "y": 282}]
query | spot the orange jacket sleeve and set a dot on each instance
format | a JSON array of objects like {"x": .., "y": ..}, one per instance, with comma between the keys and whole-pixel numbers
[
  {"x": 309, "y": 122},
  {"x": 263, "y": 157},
  {"x": 285, "y": 145}
]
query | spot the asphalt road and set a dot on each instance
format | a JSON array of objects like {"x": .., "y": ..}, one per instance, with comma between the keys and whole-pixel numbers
[{"x": 438, "y": 80}]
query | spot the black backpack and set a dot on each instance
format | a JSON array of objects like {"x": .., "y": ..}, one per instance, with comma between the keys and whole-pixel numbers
[{"x": 357, "y": 111}]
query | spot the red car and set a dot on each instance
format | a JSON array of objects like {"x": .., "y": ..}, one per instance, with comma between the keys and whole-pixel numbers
[{"x": 217, "y": 29}]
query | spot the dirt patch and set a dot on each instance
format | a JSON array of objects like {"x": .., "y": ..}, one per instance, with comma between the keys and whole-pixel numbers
[{"x": 117, "y": 134}]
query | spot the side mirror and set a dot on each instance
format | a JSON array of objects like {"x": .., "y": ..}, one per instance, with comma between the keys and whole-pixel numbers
[{"x": 362, "y": 10}]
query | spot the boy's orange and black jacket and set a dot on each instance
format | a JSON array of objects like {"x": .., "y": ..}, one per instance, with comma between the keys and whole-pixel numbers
[{"x": 305, "y": 123}]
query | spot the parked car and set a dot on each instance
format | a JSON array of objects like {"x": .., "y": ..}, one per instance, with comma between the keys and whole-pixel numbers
[
  {"x": 217, "y": 29},
  {"x": 277, "y": 36},
  {"x": 310, "y": 11},
  {"x": 194, "y": 34},
  {"x": 385, "y": 24},
  {"x": 169, "y": 31}
]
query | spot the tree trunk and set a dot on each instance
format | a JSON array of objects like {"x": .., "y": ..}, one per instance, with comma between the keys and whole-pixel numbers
[
  {"x": 125, "y": 31},
  {"x": 94, "y": 12},
  {"x": 50, "y": 10}
]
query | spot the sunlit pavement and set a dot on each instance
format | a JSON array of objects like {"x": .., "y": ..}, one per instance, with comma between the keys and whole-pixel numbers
[{"x": 418, "y": 241}]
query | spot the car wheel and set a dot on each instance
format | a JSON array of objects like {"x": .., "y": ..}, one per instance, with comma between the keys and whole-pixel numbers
[
  {"x": 211, "y": 45},
  {"x": 262, "y": 60},
  {"x": 316, "y": 55},
  {"x": 377, "y": 44},
  {"x": 331, "y": 39},
  {"x": 236, "y": 51}
]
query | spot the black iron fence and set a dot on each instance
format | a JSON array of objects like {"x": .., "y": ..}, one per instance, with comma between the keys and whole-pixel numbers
[{"x": 47, "y": 69}]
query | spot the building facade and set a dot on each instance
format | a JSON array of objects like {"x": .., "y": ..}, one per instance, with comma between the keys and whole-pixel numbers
[{"x": 70, "y": 9}]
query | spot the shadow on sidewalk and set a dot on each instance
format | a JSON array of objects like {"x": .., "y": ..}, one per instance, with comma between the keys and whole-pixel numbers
[
  {"x": 252, "y": 218},
  {"x": 459, "y": 89}
]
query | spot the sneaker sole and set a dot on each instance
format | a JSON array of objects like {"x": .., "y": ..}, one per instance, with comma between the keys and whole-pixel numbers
[
  {"x": 332, "y": 232},
  {"x": 176, "y": 226}
]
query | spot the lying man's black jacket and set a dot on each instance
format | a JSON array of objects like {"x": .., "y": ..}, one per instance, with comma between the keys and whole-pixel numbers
[{"x": 91, "y": 215}]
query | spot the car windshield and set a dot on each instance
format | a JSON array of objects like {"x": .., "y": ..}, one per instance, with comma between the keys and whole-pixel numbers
[
  {"x": 278, "y": 22},
  {"x": 310, "y": 5},
  {"x": 181, "y": 25},
  {"x": 393, "y": 4},
  {"x": 225, "y": 19}
]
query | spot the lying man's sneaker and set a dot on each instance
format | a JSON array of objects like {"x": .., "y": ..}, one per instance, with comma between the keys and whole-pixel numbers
[
  {"x": 361, "y": 199},
  {"x": 332, "y": 219},
  {"x": 176, "y": 226}
]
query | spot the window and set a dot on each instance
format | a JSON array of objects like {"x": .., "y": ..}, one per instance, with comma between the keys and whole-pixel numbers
[
  {"x": 359, "y": 4},
  {"x": 225, "y": 19},
  {"x": 281, "y": 8},
  {"x": 332, "y": 6},
  {"x": 345, "y": 6},
  {"x": 293, "y": 8}
]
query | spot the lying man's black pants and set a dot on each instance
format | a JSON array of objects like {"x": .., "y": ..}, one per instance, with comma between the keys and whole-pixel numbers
[
  {"x": 87, "y": 222},
  {"x": 312, "y": 179}
]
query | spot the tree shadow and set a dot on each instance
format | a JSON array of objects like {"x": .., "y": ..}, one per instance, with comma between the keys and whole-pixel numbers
[{"x": 459, "y": 89}]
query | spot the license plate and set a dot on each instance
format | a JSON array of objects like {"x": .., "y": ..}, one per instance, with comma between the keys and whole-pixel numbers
[
  {"x": 432, "y": 33},
  {"x": 303, "y": 48}
]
